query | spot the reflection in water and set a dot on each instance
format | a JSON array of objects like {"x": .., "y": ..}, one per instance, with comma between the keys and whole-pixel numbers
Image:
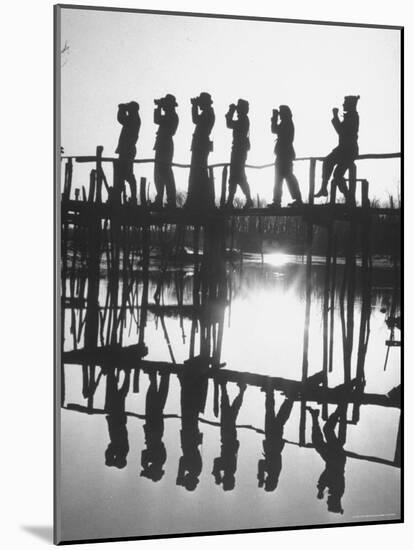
[
  {"x": 271, "y": 465},
  {"x": 276, "y": 259},
  {"x": 225, "y": 466},
  {"x": 118, "y": 447},
  {"x": 193, "y": 382},
  {"x": 332, "y": 452},
  {"x": 209, "y": 336},
  {"x": 154, "y": 456}
]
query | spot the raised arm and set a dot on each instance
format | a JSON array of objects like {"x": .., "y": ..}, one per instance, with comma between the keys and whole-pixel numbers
[
  {"x": 336, "y": 123},
  {"x": 157, "y": 115},
  {"x": 122, "y": 115},
  {"x": 274, "y": 126},
  {"x": 230, "y": 122},
  {"x": 194, "y": 113}
]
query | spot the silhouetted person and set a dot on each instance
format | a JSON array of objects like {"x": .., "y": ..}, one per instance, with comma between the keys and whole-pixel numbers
[
  {"x": 282, "y": 126},
  {"x": 343, "y": 156},
  {"x": 194, "y": 385},
  {"x": 154, "y": 456},
  {"x": 117, "y": 450},
  {"x": 200, "y": 192},
  {"x": 240, "y": 147},
  {"x": 332, "y": 452},
  {"x": 131, "y": 123},
  {"x": 270, "y": 466},
  {"x": 225, "y": 466},
  {"x": 167, "y": 119}
]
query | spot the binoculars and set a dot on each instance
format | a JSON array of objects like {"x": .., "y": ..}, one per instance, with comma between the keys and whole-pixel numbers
[
  {"x": 131, "y": 104},
  {"x": 158, "y": 102}
]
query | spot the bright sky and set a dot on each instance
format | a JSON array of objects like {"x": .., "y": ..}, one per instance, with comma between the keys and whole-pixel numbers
[{"x": 118, "y": 57}]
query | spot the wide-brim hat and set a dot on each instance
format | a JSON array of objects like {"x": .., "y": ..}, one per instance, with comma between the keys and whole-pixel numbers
[
  {"x": 205, "y": 97},
  {"x": 134, "y": 105},
  {"x": 170, "y": 99},
  {"x": 243, "y": 103},
  {"x": 285, "y": 110},
  {"x": 351, "y": 100}
]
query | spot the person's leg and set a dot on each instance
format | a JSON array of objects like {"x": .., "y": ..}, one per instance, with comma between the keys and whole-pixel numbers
[
  {"x": 168, "y": 174},
  {"x": 277, "y": 190},
  {"x": 245, "y": 187},
  {"x": 163, "y": 389},
  {"x": 158, "y": 180},
  {"x": 293, "y": 184},
  {"x": 130, "y": 178},
  {"x": 225, "y": 403},
  {"x": 244, "y": 184},
  {"x": 284, "y": 412},
  {"x": 327, "y": 168},
  {"x": 119, "y": 178},
  {"x": 192, "y": 180},
  {"x": 270, "y": 411},
  {"x": 170, "y": 186},
  {"x": 238, "y": 400},
  {"x": 339, "y": 179},
  {"x": 207, "y": 186},
  {"x": 330, "y": 425},
  {"x": 151, "y": 393},
  {"x": 232, "y": 184},
  {"x": 317, "y": 437}
]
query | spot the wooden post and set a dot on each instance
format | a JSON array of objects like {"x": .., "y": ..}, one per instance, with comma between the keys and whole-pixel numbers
[
  {"x": 352, "y": 184},
  {"x": 145, "y": 236},
  {"x": 305, "y": 356},
  {"x": 68, "y": 179},
  {"x": 92, "y": 185},
  {"x": 333, "y": 192},
  {"x": 397, "y": 455},
  {"x": 212, "y": 191},
  {"x": 142, "y": 191},
  {"x": 364, "y": 193},
  {"x": 99, "y": 178},
  {"x": 92, "y": 308},
  {"x": 325, "y": 329},
  {"x": 312, "y": 167},
  {"x": 116, "y": 187},
  {"x": 332, "y": 305},
  {"x": 223, "y": 187}
]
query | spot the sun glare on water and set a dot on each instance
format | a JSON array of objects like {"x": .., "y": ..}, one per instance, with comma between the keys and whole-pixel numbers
[{"x": 276, "y": 259}]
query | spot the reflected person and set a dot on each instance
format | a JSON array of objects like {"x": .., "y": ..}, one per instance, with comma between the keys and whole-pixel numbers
[
  {"x": 165, "y": 116},
  {"x": 331, "y": 450},
  {"x": 129, "y": 118},
  {"x": 240, "y": 148},
  {"x": 200, "y": 191},
  {"x": 343, "y": 156},
  {"x": 225, "y": 466},
  {"x": 118, "y": 447},
  {"x": 154, "y": 456},
  {"x": 282, "y": 125},
  {"x": 270, "y": 466},
  {"x": 194, "y": 384}
]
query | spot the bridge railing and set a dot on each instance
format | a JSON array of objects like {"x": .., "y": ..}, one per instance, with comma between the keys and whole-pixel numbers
[{"x": 98, "y": 179}]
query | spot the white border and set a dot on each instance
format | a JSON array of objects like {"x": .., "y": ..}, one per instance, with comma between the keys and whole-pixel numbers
[{"x": 27, "y": 266}]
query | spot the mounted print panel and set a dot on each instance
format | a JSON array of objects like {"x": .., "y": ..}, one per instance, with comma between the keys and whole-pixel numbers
[{"x": 228, "y": 311}]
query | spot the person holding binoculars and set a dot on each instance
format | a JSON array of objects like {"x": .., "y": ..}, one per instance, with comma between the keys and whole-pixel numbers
[
  {"x": 282, "y": 125},
  {"x": 200, "y": 192},
  {"x": 129, "y": 117},
  {"x": 166, "y": 118},
  {"x": 240, "y": 148},
  {"x": 343, "y": 156}
]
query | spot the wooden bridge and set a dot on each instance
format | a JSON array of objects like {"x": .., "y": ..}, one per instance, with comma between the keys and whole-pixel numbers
[{"x": 90, "y": 202}]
